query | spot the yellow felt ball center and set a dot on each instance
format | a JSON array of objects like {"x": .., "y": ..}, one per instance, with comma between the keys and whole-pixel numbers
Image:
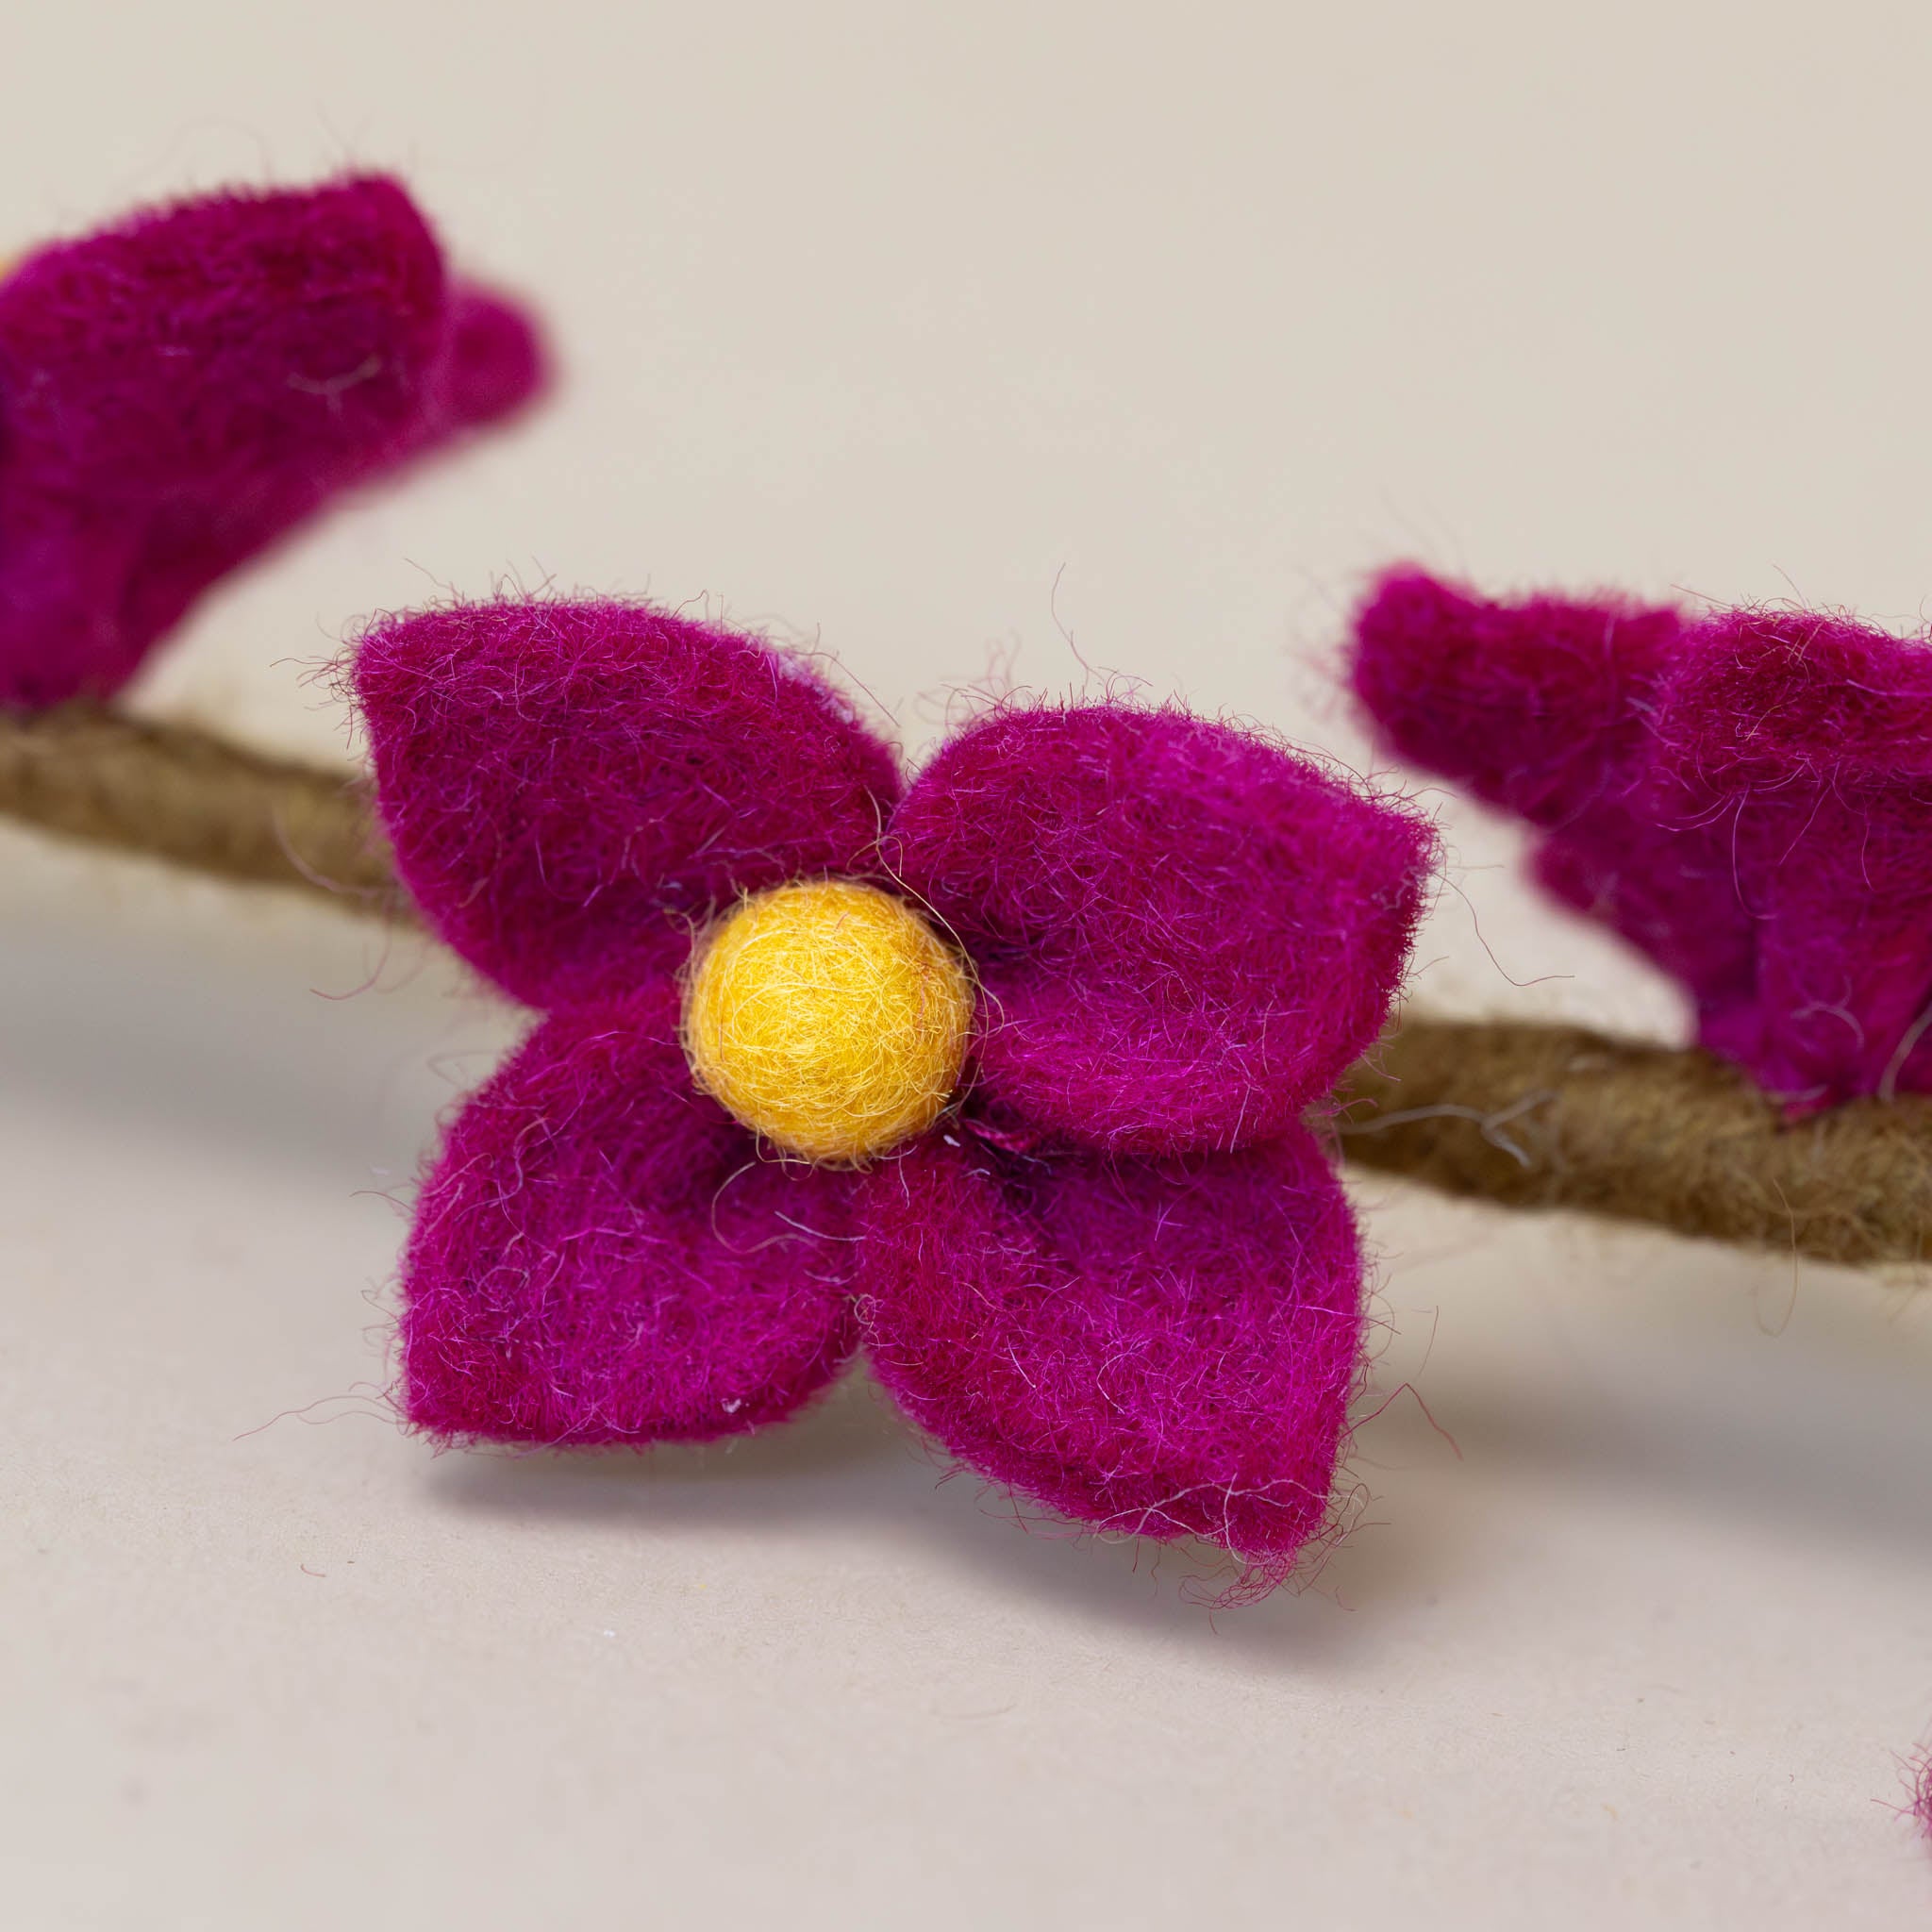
[{"x": 828, "y": 1018}]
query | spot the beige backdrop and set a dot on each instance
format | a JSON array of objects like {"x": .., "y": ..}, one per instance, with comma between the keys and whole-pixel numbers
[{"x": 880, "y": 322}]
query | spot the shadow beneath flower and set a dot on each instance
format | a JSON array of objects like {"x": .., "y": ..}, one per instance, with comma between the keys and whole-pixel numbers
[
  {"x": 851, "y": 1468},
  {"x": 1722, "y": 1385},
  {"x": 264, "y": 1030},
  {"x": 276, "y": 1033}
]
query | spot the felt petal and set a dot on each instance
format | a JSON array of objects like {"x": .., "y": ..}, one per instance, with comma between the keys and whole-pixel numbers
[
  {"x": 177, "y": 392},
  {"x": 1546, "y": 707},
  {"x": 599, "y": 1254},
  {"x": 1163, "y": 1347},
  {"x": 1671, "y": 890},
  {"x": 1842, "y": 896},
  {"x": 1184, "y": 932},
  {"x": 571, "y": 787},
  {"x": 1800, "y": 747},
  {"x": 1540, "y": 705},
  {"x": 492, "y": 362}
]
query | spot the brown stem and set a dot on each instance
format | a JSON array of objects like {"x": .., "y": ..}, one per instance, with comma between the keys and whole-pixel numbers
[
  {"x": 173, "y": 792},
  {"x": 1558, "y": 1117},
  {"x": 1526, "y": 1115}
]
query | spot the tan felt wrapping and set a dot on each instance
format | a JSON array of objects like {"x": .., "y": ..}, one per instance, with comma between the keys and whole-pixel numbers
[
  {"x": 177, "y": 793},
  {"x": 1535, "y": 1116}
]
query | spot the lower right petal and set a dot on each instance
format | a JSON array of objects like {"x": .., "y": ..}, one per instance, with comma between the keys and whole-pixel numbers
[{"x": 1158, "y": 1347}]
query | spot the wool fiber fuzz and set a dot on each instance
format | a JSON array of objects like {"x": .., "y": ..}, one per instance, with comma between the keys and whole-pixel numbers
[
  {"x": 1184, "y": 933},
  {"x": 1160, "y": 1346},
  {"x": 829, "y": 1018},
  {"x": 598, "y": 1259}
]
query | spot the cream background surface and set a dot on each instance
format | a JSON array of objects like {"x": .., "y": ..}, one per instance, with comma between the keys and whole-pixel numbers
[{"x": 925, "y": 333}]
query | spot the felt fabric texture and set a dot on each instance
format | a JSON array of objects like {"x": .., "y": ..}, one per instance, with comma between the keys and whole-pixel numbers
[
  {"x": 830, "y": 1017},
  {"x": 1183, "y": 934},
  {"x": 178, "y": 390},
  {"x": 191, "y": 798},
  {"x": 602, "y": 1258},
  {"x": 1162, "y": 1347},
  {"x": 1745, "y": 797},
  {"x": 575, "y": 789},
  {"x": 1546, "y": 1117}
]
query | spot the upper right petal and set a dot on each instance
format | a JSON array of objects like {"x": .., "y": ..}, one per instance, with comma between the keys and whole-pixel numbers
[
  {"x": 1183, "y": 931},
  {"x": 571, "y": 787}
]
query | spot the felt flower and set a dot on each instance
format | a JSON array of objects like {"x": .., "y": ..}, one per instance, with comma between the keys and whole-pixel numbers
[
  {"x": 178, "y": 390},
  {"x": 1744, "y": 795},
  {"x": 1003, "y": 1073}
]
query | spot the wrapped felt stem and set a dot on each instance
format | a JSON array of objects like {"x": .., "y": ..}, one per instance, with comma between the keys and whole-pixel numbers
[{"x": 194, "y": 799}]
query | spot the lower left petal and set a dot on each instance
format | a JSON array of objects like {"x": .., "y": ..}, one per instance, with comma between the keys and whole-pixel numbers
[
  {"x": 1159, "y": 1347},
  {"x": 600, "y": 1254}
]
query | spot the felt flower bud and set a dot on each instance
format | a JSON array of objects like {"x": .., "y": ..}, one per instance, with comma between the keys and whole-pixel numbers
[
  {"x": 1744, "y": 795},
  {"x": 178, "y": 390}
]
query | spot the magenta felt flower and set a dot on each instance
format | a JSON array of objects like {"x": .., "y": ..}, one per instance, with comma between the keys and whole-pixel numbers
[
  {"x": 177, "y": 391},
  {"x": 1102, "y": 1258},
  {"x": 1744, "y": 795}
]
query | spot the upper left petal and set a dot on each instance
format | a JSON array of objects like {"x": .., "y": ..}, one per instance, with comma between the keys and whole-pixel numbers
[{"x": 571, "y": 787}]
